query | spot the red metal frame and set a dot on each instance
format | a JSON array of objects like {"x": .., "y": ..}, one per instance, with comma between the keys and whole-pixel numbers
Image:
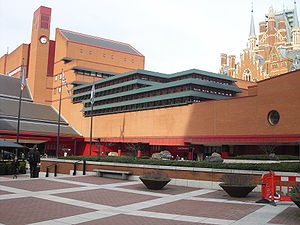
[{"x": 275, "y": 187}]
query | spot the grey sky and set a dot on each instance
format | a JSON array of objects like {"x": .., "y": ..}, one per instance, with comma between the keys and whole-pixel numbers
[{"x": 174, "y": 35}]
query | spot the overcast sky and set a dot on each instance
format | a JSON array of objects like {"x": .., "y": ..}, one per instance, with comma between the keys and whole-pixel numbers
[{"x": 173, "y": 35}]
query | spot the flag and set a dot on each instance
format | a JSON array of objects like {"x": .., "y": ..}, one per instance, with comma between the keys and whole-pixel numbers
[
  {"x": 23, "y": 78},
  {"x": 92, "y": 99},
  {"x": 64, "y": 81}
]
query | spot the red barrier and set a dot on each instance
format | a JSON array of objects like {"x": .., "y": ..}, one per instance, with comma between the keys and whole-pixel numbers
[{"x": 279, "y": 188}]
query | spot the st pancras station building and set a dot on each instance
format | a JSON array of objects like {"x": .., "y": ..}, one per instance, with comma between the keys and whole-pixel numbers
[{"x": 84, "y": 91}]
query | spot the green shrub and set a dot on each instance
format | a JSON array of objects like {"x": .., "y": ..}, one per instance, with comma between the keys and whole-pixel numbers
[
  {"x": 265, "y": 157},
  {"x": 286, "y": 167}
]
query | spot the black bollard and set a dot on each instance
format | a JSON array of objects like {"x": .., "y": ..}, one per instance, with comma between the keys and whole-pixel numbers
[
  {"x": 84, "y": 166},
  {"x": 74, "y": 170},
  {"x": 47, "y": 172},
  {"x": 55, "y": 170}
]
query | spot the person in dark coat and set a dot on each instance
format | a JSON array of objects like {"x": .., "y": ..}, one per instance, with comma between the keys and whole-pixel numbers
[
  {"x": 15, "y": 167},
  {"x": 33, "y": 159}
]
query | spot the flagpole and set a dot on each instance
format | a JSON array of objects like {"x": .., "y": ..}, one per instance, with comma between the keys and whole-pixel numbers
[
  {"x": 92, "y": 99},
  {"x": 58, "y": 123},
  {"x": 91, "y": 131},
  {"x": 20, "y": 101},
  {"x": 19, "y": 116}
]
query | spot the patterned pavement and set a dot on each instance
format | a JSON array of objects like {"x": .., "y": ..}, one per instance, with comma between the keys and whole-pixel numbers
[{"x": 89, "y": 200}]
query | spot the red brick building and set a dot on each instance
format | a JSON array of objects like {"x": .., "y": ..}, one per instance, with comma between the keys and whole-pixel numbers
[
  {"x": 275, "y": 50},
  {"x": 190, "y": 113}
]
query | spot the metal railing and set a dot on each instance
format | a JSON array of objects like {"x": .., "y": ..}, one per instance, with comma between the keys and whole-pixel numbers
[
  {"x": 83, "y": 167},
  {"x": 55, "y": 169}
]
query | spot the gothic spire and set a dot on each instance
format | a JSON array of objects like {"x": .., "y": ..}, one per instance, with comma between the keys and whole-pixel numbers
[{"x": 252, "y": 29}]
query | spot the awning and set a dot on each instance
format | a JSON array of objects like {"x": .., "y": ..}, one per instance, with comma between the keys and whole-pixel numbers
[{"x": 8, "y": 144}]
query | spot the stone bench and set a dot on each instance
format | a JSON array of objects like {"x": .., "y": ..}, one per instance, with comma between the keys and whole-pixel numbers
[{"x": 111, "y": 173}]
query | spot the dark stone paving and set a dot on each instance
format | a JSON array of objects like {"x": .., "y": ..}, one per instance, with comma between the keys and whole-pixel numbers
[
  {"x": 37, "y": 184},
  {"x": 217, "y": 210},
  {"x": 31, "y": 210},
  {"x": 107, "y": 197},
  {"x": 136, "y": 220},
  {"x": 169, "y": 189},
  {"x": 290, "y": 216}
]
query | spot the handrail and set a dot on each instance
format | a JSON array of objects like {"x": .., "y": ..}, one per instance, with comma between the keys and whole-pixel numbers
[
  {"x": 55, "y": 169},
  {"x": 83, "y": 167}
]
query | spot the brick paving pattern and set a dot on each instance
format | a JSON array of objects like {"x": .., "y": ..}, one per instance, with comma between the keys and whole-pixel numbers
[
  {"x": 28, "y": 210},
  {"x": 4, "y": 192},
  {"x": 206, "y": 209},
  {"x": 92, "y": 200},
  {"x": 252, "y": 197},
  {"x": 38, "y": 184},
  {"x": 92, "y": 180},
  {"x": 106, "y": 197},
  {"x": 290, "y": 216},
  {"x": 137, "y": 220},
  {"x": 169, "y": 189}
]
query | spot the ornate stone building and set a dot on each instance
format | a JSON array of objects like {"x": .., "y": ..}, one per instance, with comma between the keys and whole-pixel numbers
[{"x": 275, "y": 50}]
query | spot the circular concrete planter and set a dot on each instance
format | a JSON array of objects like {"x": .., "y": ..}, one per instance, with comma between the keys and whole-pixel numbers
[
  {"x": 155, "y": 184},
  {"x": 237, "y": 190}
]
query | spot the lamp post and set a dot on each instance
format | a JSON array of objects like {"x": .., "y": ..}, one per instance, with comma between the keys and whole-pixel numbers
[
  {"x": 99, "y": 147},
  {"x": 75, "y": 143}
]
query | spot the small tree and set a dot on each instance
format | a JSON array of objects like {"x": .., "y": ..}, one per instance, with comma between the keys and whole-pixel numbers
[{"x": 270, "y": 150}]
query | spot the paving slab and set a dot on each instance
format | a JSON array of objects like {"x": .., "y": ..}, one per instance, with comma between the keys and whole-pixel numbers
[
  {"x": 37, "y": 184},
  {"x": 137, "y": 220},
  {"x": 107, "y": 197},
  {"x": 31, "y": 210},
  {"x": 290, "y": 216},
  {"x": 169, "y": 189},
  {"x": 218, "y": 210}
]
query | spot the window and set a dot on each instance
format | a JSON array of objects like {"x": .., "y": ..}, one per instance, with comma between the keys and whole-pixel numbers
[
  {"x": 81, "y": 50},
  {"x": 273, "y": 117}
]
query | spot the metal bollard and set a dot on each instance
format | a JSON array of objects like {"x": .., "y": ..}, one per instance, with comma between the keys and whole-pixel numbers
[
  {"x": 47, "y": 172},
  {"x": 74, "y": 170},
  {"x": 84, "y": 167},
  {"x": 55, "y": 170}
]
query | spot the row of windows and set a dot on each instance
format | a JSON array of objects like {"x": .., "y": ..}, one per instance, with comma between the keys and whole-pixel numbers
[
  {"x": 165, "y": 91},
  {"x": 153, "y": 79},
  {"x": 142, "y": 106},
  {"x": 202, "y": 77},
  {"x": 89, "y": 73},
  {"x": 110, "y": 92},
  {"x": 107, "y": 56}
]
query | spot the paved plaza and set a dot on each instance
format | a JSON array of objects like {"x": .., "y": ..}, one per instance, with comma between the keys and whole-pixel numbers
[{"x": 91, "y": 200}]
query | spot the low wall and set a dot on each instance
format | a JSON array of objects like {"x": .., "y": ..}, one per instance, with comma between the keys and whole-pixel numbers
[{"x": 181, "y": 176}]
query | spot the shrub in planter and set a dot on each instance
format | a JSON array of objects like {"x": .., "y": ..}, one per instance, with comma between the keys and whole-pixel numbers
[
  {"x": 296, "y": 197},
  {"x": 155, "y": 180},
  {"x": 237, "y": 185},
  {"x": 8, "y": 168},
  {"x": 22, "y": 167}
]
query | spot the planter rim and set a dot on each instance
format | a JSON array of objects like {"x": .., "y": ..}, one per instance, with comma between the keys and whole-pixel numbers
[
  {"x": 159, "y": 179},
  {"x": 238, "y": 185}
]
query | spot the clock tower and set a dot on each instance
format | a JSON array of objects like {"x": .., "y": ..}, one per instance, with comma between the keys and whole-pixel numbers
[{"x": 39, "y": 54}]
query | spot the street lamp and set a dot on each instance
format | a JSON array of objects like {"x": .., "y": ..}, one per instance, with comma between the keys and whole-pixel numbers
[
  {"x": 99, "y": 146},
  {"x": 75, "y": 142}
]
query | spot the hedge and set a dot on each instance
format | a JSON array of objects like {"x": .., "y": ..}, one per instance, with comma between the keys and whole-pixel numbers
[
  {"x": 286, "y": 167},
  {"x": 266, "y": 157}
]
